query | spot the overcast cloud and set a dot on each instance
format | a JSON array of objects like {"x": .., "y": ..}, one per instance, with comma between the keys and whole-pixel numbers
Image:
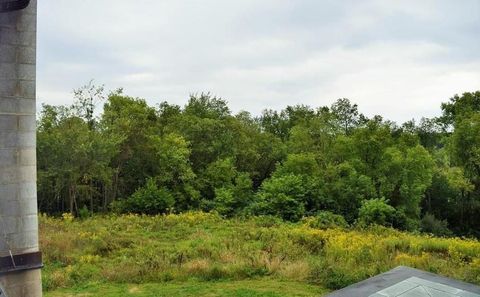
[{"x": 400, "y": 59}]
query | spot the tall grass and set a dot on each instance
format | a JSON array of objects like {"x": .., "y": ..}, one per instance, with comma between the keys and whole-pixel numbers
[{"x": 202, "y": 246}]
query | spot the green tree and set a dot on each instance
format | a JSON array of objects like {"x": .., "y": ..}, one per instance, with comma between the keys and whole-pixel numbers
[
  {"x": 226, "y": 189},
  {"x": 344, "y": 190},
  {"x": 235, "y": 198},
  {"x": 133, "y": 122},
  {"x": 346, "y": 115},
  {"x": 207, "y": 106},
  {"x": 465, "y": 144},
  {"x": 376, "y": 211},
  {"x": 149, "y": 199},
  {"x": 325, "y": 220},
  {"x": 73, "y": 159},
  {"x": 407, "y": 173},
  {"x": 174, "y": 171},
  {"x": 459, "y": 107},
  {"x": 283, "y": 196}
]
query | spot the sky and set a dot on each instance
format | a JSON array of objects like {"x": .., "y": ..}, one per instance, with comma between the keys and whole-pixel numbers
[{"x": 399, "y": 59}]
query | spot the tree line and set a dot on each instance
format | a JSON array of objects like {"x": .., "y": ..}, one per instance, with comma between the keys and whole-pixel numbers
[{"x": 331, "y": 162}]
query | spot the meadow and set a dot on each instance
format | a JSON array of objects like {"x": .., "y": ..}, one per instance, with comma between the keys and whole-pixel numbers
[{"x": 203, "y": 254}]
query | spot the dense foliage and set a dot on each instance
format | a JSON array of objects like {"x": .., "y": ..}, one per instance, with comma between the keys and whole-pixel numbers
[
  {"x": 202, "y": 254},
  {"x": 293, "y": 163}
]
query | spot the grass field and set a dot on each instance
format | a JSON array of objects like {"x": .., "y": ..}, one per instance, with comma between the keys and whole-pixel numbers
[
  {"x": 256, "y": 288},
  {"x": 199, "y": 254}
]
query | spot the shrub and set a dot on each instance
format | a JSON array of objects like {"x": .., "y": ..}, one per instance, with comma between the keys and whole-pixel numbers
[
  {"x": 376, "y": 211},
  {"x": 83, "y": 212},
  {"x": 333, "y": 277},
  {"x": 432, "y": 225},
  {"x": 224, "y": 200},
  {"x": 266, "y": 221},
  {"x": 403, "y": 222},
  {"x": 283, "y": 196},
  {"x": 325, "y": 220},
  {"x": 214, "y": 273},
  {"x": 149, "y": 199},
  {"x": 68, "y": 217}
]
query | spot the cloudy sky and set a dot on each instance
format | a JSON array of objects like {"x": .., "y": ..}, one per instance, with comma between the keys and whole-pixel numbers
[{"x": 400, "y": 59}]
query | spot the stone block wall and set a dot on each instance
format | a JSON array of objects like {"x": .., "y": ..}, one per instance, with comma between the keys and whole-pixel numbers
[{"x": 18, "y": 201}]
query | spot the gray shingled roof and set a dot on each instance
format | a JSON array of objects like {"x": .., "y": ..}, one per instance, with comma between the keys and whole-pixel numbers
[{"x": 408, "y": 282}]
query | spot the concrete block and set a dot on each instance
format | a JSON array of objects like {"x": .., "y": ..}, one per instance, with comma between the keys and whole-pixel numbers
[
  {"x": 8, "y": 139},
  {"x": 25, "y": 71},
  {"x": 3, "y": 247},
  {"x": 8, "y": 71},
  {"x": 8, "y": 122},
  {"x": 8, "y": 20},
  {"x": 27, "y": 123},
  {"x": 14, "y": 290},
  {"x": 26, "y": 173},
  {"x": 7, "y": 36},
  {"x": 30, "y": 222},
  {"x": 28, "y": 206},
  {"x": 25, "y": 22},
  {"x": 26, "y": 55},
  {"x": 25, "y": 89},
  {"x": 8, "y": 175},
  {"x": 7, "y": 105},
  {"x": 34, "y": 288},
  {"x": 13, "y": 205},
  {"x": 8, "y": 157},
  {"x": 19, "y": 207},
  {"x": 8, "y": 54},
  {"x": 26, "y": 139},
  {"x": 8, "y": 192},
  {"x": 23, "y": 242},
  {"x": 27, "y": 157},
  {"x": 26, "y": 38},
  {"x": 9, "y": 224},
  {"x": 16, "y": 278},
  {"x": 26, "y": 106},
  {"x": 27, "y": 191}
]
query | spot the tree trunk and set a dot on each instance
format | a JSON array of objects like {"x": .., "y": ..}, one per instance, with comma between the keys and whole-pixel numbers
[
  {"x": 91, "y": 196},
  {"x": 71, "y": 199}
]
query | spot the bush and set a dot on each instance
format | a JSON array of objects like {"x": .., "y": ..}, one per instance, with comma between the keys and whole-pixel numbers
[
  {"x": 376, "y": 211},
  {"x": 149, "y": 199},
  {"x": 266, "y": 221},
  {"x": 326, "y": 220},
  {"x": 224, "y": 201},
  {"x": 233, "y": 199},
  {"x": 335, "y": 276},
  {"x": 282, "y": 196},
  {"x": 83, "y": 212},
  {"x": 432, "y": 225},
  {"x": 402, "y": 222}
]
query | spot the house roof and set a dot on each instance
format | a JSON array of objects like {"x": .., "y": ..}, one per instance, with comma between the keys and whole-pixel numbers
[{"x": 408, "y": 282}]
